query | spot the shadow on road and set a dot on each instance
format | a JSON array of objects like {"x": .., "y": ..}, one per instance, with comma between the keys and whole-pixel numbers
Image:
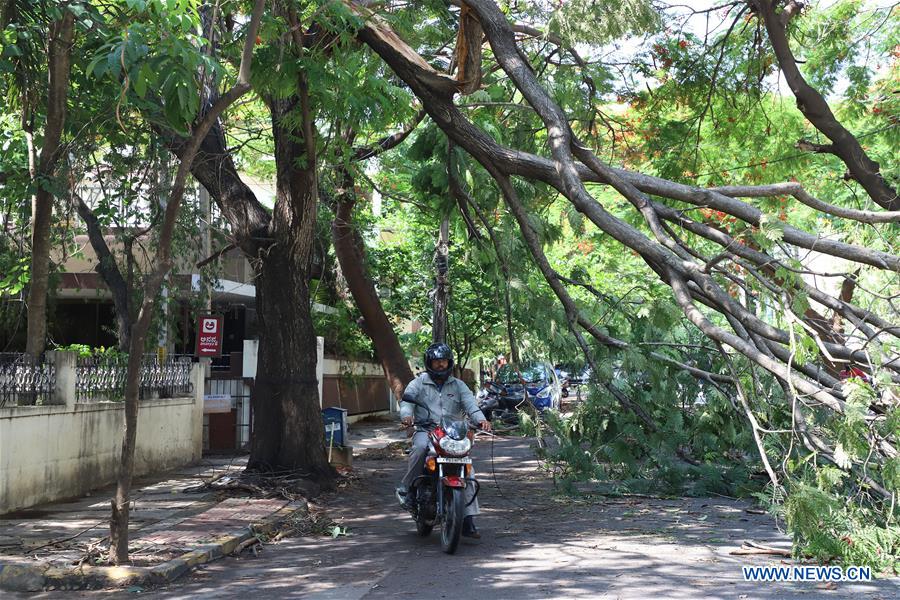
[{"x": 536, "y": 545}]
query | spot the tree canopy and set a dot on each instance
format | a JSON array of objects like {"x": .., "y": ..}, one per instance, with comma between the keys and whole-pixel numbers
[{"x": 700, "y": 203}]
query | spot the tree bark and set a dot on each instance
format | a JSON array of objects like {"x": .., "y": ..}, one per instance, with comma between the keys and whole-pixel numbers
[
  {"x": 62, "y": 32},
  {"x": 289, "y": 433},
  {"x": 350, "y": 252},
  {"x": 468, "y": 51},
  {"x": 118, "y": 524},
  {"x": 214, "y": 168},
  {"x": 264, "y": 238}
]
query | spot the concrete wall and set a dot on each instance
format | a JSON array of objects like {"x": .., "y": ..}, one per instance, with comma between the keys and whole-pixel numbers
[
  {"x": 53, "y": 452},
  {"x": 360, "y": 387}
]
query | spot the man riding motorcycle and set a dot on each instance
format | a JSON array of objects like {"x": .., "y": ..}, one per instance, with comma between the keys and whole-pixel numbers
[{"x": 445, "y": 396}]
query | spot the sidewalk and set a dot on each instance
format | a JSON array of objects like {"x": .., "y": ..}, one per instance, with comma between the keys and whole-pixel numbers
[
  {"x": 368, "y": 435},
  {"x": 172, "y": 529}
]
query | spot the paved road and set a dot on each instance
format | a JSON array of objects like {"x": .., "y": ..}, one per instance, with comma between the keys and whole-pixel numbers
[{"x": 535, "y": 545}]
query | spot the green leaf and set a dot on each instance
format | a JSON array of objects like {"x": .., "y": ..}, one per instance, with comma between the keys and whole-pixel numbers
[
  {"x": 140, "y": 83},
  {"x": 771, "y": 228},
  {"x": 800, "y": 303}
]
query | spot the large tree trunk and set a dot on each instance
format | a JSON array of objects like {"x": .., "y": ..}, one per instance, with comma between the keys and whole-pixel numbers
[
  {"x": 349, "y": 248},
  {"x": 265, "y": 239},
  {"x": 61, "y": 34},
  {"x": 288, "y": 433}
]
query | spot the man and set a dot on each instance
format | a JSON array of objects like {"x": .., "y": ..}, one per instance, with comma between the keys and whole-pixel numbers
[{"x": 445, "y": 396}]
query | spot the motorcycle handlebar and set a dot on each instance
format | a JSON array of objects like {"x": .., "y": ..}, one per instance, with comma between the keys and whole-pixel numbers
[{"x": 429, "y": 424}]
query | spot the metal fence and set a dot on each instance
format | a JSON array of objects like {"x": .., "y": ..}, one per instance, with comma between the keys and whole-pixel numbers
[
  {"x": 102, "y": 379},
  {"x": 25, "y": 380}
]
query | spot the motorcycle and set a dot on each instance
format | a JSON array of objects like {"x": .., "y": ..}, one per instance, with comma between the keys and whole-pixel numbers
[
  {"x": 440, "y": 492},
  {"x": 489, "y": 399}
]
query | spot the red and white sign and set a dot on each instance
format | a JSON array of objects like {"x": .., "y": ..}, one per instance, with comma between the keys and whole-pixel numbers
[{"x": 209, "y": 336}]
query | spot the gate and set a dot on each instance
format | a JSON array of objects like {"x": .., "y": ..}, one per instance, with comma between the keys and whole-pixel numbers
[{"x": 228, "y": 431}]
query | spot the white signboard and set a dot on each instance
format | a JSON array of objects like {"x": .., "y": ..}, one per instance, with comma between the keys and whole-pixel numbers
[{"x": 216, "y": 403}]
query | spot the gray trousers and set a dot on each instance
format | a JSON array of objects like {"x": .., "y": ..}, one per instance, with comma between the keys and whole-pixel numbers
[{"x": 416, "y": 464}]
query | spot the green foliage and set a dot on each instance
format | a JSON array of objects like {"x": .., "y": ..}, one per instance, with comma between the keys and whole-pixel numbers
[
  {"x": 828, "y": 528},
  {"x": 584, "y": 21},
  {"x": 16, "y": 274},
  {"x": 159, "y": 52},
  {"x": 343, "y": 336},
  {"x": 101, "y": 352},
  {"x": 601, "y": 441},
  {"x": 702, "y": 110}
]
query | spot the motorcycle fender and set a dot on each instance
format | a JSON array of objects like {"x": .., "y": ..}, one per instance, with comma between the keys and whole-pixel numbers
[{"x": 454, "y": 481}]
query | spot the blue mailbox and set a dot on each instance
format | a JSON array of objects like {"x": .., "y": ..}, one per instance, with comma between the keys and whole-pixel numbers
[{"x": 335, "y": 426}]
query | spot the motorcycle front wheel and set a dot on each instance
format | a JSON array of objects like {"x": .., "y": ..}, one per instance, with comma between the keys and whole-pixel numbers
[
  {"x": 423, "y": 528},
  {"x": 454, "y": 513}
]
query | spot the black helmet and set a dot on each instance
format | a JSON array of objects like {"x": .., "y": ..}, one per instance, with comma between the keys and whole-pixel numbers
[{"x": 437, "y": 351}]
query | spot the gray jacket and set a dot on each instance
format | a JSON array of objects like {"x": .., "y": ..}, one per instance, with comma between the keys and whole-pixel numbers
[{"x": 453, "y": 400}]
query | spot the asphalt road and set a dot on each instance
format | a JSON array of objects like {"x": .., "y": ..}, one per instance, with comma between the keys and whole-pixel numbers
[{"x": 536, "y": 545}]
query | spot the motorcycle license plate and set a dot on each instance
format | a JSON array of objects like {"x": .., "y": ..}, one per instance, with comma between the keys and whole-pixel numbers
[{"x": 455, "y": 461}]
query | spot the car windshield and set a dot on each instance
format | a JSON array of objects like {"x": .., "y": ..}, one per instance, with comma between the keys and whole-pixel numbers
[{"x": 530, "y": 372}]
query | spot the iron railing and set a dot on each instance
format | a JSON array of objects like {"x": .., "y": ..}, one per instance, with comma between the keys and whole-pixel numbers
[
  {"x": 25, "y": 380},
  {"x": 166, "y": 379},
  {"x": 102, "y": 379}
]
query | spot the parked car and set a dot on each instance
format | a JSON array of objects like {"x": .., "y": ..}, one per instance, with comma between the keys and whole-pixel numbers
[
  {"x": 572, "y": 375},
  {"x": 581, "y": 376},
  {"x": 534, "y": 381},
  {"x": 562, "y": 374}
]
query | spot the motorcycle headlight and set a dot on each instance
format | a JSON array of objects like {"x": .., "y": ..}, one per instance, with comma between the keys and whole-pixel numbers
[
  {"x": 451, "y": 446},
  {"x": 544, "y": 393}
]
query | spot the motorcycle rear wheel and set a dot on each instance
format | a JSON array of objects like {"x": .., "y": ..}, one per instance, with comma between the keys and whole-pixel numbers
[{"x": 454, "y": 513}]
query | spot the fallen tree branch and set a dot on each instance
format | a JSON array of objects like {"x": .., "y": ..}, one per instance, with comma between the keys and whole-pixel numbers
[
  {"x": 796, "y": 190},
  {"x": 816, "y": 110},
  {"x": 750, "y": 548},
  {"x": 252, "y": 543}
]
